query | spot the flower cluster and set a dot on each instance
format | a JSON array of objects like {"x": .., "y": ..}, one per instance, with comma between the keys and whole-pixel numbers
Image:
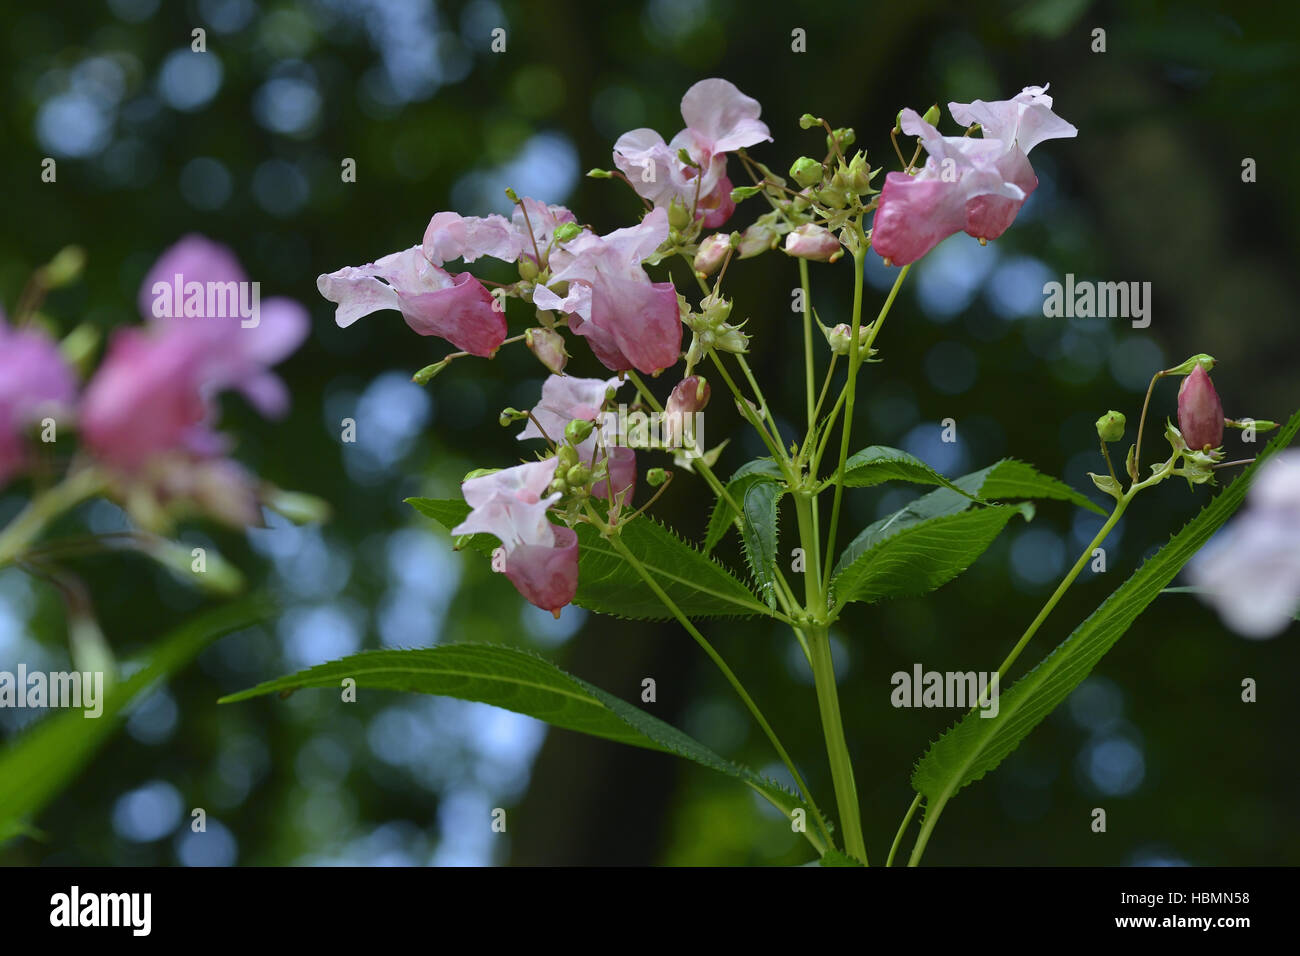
[
  {"x": 146, "y": 417},
  {"x": 598, "y": 288}
]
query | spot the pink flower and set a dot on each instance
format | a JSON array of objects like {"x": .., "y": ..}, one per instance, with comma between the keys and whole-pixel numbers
[
  {"x": 197, "y": 288},
  {"x": 719, "y": 120},
  {"x": 565, "y": 399},
  {"x": 976, "y": 185},
  {"x": 145, "y": 399},
  {"x": 1250, "y": 571},
  {"x": 452, "y": 236},
  {"x": 712, "y": 253},
  {"x": 1200, "y": 413},
  {"x": 813, "y": 242},
  {"x": 154, "y": 391},
  {"x": 35, "y": 383},
  {"x": 629, "y": 321},
  {"x": 432, "y": 301},
  {"x": 541, "y": 558}
]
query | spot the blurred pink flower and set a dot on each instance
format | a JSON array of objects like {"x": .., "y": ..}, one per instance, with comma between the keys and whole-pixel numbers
[
  {"x": 541, "y": 558},
  {"x": 1250, "y": 571},
  {"x": 629, "y": 321},
  {"x": 35, "y": 383},
  {"x": 719, "y": 120},
  {"x": 972, "y": 184}
]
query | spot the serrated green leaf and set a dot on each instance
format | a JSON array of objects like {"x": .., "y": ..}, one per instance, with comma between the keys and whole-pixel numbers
[
  {"x": 722, "y": 517},
  {"x": 36, "y": 767},
  {"x": 920, "y": 557},
  {"x": 877, "y": 464},
  {"x": 975, "y": 745},
  {"x": 525, "y": 683},
  {"x": 698, "y": 585},
  {"x": 759, "y": 532},
  {"x": 1011, "y": 478}
]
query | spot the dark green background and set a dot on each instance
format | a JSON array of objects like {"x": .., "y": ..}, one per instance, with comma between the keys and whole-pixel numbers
[{"x": 1151, "y": 190}]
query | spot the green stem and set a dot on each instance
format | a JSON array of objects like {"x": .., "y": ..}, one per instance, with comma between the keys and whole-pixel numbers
[
  {"x": 727, "y": 672},
  {"x": 932, "y": 813},
  {"x": 902, "y": 828},
  {"x": 44, "y": 508},
  {"x": 809, "y": 371},
  {"x": 837, "y": 751},
  {"x": 773, "y": 445}
]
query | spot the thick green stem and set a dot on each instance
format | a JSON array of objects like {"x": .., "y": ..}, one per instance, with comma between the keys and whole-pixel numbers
[
  {"x": 837, "y": 750},
  {"x": 932, "y": 813}
]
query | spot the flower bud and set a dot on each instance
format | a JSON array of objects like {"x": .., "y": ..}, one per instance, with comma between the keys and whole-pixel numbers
[
  {"x": 577, "y": 431},
  {"x": 65, "y": 267},
  {"x": 844, "y": 137},
  {"x": 808, "y": 121},
  {"x": 806, "y": 171},
  {"x": 711, "y": 254},
  {"x": 679, "y": 217},
  {"x": 688, "y": 397},
  {"x": 566, "y": 231},
  {"x": 509, "y": 415},
  {"x": 1110, "y": 427},
  {"x": 859, "y": 177},
  {"x": 813, "y": 242},
  {"x": 548, "y": 346},
  {"x": 579, "y": 476},
  {"x": 566, "y": 458},
  {"x": 932, "y": 115},
  {"x": 527, "y": 268},
  {"x": 656, "y": 477},
  {"x": 839, "y": 338},
  {"x": 1200, "y": 413}
]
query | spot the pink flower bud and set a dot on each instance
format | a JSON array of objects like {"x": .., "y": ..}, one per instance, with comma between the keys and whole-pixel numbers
[
  {"x": 712, "y": 252},
  {"x": 690, "y": 396},
  {"x": 1200, "y": 413},
  {"x": 548, "y": 346},
  {"x": 813, "y": 242}
]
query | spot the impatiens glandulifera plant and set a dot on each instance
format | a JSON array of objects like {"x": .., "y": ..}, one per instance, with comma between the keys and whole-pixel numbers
[
  {"x": 139, "y": 434},
  {"x": 572, "y": 523}
]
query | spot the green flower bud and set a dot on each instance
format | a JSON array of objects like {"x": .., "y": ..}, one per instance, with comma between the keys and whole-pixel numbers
[
  {"x": 578, "y": 476},
  {"x": 859, "y": 177},
  {"x": 844, "y": 137},
  {"x": 65, "y": 267},
  {"x": 600, "y": 174},
  {"x": 656, "y": 477},
  {"x": 808, "y": 121},
  {"x": 932, "y": 115},
  {"x": 509, "y": 415},
  {"x": 528, "y": 270},
  {"x": 1110, "y": 427},
  {"x": 577, "y": 431},
  {"x": 512, "y": 195},
  {"x": 566, "y": 231},
  {"x": 567, "y": 457},
  {"x": 741, "y": 193},
  {"x": 679, "y": 217},
  {"x": 560, "y": 486},
  {"x": 806, "y": 171},
  {"x": 426, "y": 374}
]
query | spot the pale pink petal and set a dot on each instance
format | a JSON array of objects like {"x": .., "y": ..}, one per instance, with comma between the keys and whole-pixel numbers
[
  {"x": 719, "y": 111},
  {"x": 546, "y": 575}
]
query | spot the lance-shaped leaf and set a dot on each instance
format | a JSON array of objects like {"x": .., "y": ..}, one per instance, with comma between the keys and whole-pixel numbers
[
  {"x": 976, "y": 745},
  {"x": 44, "y": 759},
  {"x": 525, "y": 683},
  {"x": 1007, "y": 479},
  {"x": 759, "y": 532},
  {"x": 698, "y": 585},
  {"x": 759, "y": 470}
]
